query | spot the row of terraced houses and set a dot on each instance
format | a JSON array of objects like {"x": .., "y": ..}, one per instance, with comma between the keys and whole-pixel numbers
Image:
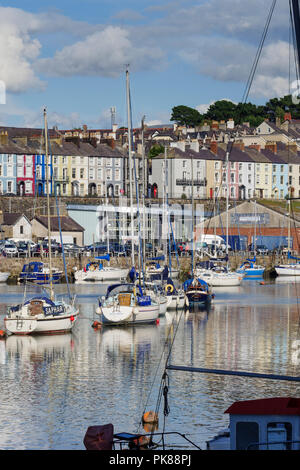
[{"x": 262, "y": 162}]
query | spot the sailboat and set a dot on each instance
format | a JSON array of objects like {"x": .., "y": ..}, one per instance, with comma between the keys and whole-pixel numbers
[
  {"x": 42, "y": 314},
  {"x": 129, "y": 303},
  {"x": 95, "y": 271},
  {"x": 291, "y": 268}
]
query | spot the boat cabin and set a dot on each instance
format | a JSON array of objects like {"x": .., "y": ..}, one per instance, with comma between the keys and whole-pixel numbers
[{"x": 265, "y": 424}]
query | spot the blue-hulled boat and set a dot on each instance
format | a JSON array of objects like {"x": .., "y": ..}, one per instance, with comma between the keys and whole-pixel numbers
[
  {"x": 39, "y": 273},
  {"x": 251, "y": 270},
  {"x": 196, "y": 292}
]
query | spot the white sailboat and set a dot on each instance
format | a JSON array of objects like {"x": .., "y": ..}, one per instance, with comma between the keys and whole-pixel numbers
[
  {"x": 289, "y": 269},
  {"x": 42, "y": 314},
  {"x": 96, "y": 272}
]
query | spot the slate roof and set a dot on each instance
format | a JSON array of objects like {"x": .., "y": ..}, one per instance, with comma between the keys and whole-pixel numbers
[
  {"x": 10, "y": 218},
  {"x": 67, "y": 223}
]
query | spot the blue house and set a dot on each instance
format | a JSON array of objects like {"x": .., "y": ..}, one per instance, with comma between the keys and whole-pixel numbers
[
  {"x": 280, "y": 174},
  {"x": 40, "y": 174},
  {"x": 8, "y": 173}
]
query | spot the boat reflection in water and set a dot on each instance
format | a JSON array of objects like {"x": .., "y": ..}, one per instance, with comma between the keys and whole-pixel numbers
[
  {"x": 39, "y": 347},
  {"x": 134, "y": 342}
]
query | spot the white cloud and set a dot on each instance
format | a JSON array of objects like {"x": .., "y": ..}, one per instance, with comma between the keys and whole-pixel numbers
[{"x": 104, "y": 53}]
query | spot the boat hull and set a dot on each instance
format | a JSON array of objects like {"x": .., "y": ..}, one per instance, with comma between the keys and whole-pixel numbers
[
  {"x": 101, "y": 275},
  {"x": 288, "y": 270},
  {"x": 251, "y": 273},
  {"x": 175, "y": 302},
  {"x": 220, "y": 279},
  {"x": 4, "y": 277},
  {"x": 41, "y": 278},
  {"x": 51, "y": 325},
  {"x": 194, "y": 297},
  {"x": 122, "y": 315}
]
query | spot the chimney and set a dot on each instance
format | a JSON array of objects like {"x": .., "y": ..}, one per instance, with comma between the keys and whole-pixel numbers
[
  {"x": 84, "y": 127},
  {"x": 292, "y": 147},
  {"x": 240, "y": 145},
  {"x": 74, "y": 140},
  {"x": 287, "y": 117},
  {"x": 4, "y": 138},
  {"x": 214, "y": 147},
  {"x": 272, "y": 146},
  {"x": 110, "y": 142},
  {"x": 215, "y": 125},
  {"x": 255, "y": 146}
]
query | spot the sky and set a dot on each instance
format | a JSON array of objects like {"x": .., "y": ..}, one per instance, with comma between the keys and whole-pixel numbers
[{"x": 71, "y": 56}]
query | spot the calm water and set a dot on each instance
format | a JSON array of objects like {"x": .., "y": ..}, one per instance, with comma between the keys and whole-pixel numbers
[{"x": 52, "y": 388}]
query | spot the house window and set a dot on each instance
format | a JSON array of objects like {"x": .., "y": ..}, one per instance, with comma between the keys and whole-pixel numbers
[
  {"x": 99, "y": 173},
  {"x": 64, "y": 188},
  {"x": 249, "y": 179},
  {"x": 81, "y": 173},
  {"x": 28, "y": 187},
  {"x": 240, "y": 178},
  {"x": 216, "y": 165},
  {"x": 258, "y": 166},
  {"x": 55, "y": 160},
  {"x": 232, "y": 164},
  {"x": 73, "y": 160},
  {"x": 108, "y": 175},
  {"x": 184, "y": 164},
  {"x": 266, "y": 179},
  {"x": 117, "y": 175},
  {"x": 198, "y": 164},
  {"x": 290, "y": 180},
  {"x": 21, "y": 229},
  {"x": 240, "y": 166},
  {"x": 20, "y": 171},
  {"x": 281, "y": 168},
  {"x": 73, "y": 172},
  {"x": 9, "y": 186},
  {"x": 117, "y": 162},
  {"x": 82, "y": 190},
  {"x": 232, "y": 177},
  {"x": 99, "y": 160},
  {"x": 63, "y": 160},
  {"x": 216, "y": 177},
  {"x": 91, "y": 173},
  {"x": 0, "y": 170},
  {"x": 290, "y": 169},
  {"x": 274, "y": 167},
  {"x": 232, "y": 192},
  {"x": 281, "y": 179},
  {"x": 117, "y": 190},
  {"x": 28, "y": 171},
  {"x": 249, "y": 166}
]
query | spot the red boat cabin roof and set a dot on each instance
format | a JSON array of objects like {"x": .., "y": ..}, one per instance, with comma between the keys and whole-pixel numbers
[{"x": 266, "y": 406}]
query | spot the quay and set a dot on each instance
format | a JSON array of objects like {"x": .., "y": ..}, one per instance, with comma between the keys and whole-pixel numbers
[{"x": 15, "y": 265}]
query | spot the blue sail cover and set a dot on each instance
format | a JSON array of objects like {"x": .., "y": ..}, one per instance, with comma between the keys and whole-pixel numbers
[
  {"x": 105, "y": 257},
  {"x": 187, "y": 284},
  {"x": 292, "y": 257},
  {"x": 251, "y": 260},
  {"x": 157, "y": 258}
]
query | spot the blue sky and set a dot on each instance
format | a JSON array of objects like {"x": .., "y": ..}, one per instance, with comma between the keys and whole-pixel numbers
[{"x": 71, "y": 56}]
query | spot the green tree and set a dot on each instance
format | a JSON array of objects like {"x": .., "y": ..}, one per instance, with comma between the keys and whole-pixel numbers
[
  {"x": 155, "y": 150},
  {"x": 184, "y": 115},
  {"x": 221, "y": 110}
]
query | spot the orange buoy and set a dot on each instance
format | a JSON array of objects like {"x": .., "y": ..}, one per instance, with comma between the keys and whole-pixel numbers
[
  {"x": 150, "y": 427},
  {"x": 262, "y": 283},
  {"x": 2, "y": 334},
  {"x": 150, "y": 417},
  {"x": 157, "y": 321},
  {"x": 97, "y": 325}
]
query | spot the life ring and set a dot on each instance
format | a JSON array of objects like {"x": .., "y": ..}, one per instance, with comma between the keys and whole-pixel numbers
[{"x": 169, "y": 288}]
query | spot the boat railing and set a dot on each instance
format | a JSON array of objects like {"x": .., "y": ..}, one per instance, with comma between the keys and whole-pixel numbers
[
  {"x": 271, "y": 443},
  {"x": 133, "y": 440}
]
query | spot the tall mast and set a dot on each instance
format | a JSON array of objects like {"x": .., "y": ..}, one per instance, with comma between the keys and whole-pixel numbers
[
  {"x": 48, "y": 203},
  {"x": 227, "y": 200},
  {"x": 193, "y": 243},
  {"x": 296, "y": 24},
  {"x": 144, "y": 192},
  {"x": 130, "y": 163}
]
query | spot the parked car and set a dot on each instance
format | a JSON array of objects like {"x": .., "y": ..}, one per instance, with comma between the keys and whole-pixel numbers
[
  {"x": 9, "y": 249},
  {"x": 259, "y": 249},
  {"x": 72, "y": 248},
  {"x": 23, "y": 249}
]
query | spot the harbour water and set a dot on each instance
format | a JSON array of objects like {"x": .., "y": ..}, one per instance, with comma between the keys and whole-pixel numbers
[{"x": 53, "y": 387}]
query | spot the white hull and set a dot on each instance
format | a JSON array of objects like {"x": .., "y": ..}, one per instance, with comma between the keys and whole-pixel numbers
[
  {"x": 214, "y": 279},
  {"x": 121, "y": 315},
  {"x": 4, "y": 277},
  {"x": 175, "y": 301},
  {"x": 23, "y": 323},
  {"x": 150, "y": 272},
  {"x": 288, "y": 270},
  {"x": 105, "y": 274}
]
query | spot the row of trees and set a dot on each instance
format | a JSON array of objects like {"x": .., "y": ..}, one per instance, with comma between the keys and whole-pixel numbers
[{"x": 241, "y": 112}]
